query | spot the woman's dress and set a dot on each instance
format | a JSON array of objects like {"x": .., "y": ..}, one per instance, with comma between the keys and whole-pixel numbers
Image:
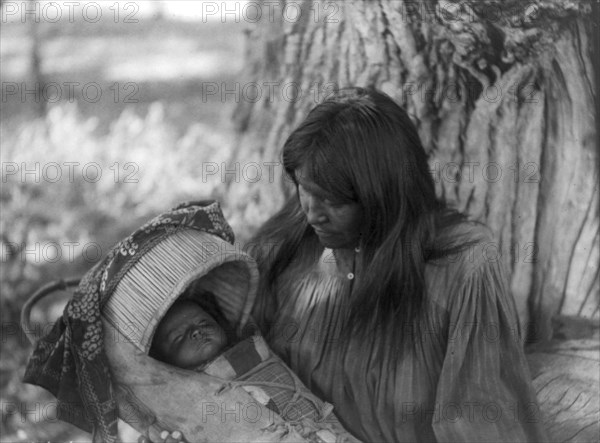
[{"x": 467, "y": 378}]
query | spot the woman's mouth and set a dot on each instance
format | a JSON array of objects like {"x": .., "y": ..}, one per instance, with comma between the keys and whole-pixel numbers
[{"x": 320, "y": 232}]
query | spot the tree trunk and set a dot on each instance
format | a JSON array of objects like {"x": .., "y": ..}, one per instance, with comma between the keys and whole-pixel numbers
[{"x": 504, "y": 100}]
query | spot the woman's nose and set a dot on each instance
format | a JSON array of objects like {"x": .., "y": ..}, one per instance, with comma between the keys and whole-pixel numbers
[
  {"x": 314, "y": 211},
  {"x": 196, "y": 334}
]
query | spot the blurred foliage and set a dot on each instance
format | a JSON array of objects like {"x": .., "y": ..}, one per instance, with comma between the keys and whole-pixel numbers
[{"x": 150, "y": 151}]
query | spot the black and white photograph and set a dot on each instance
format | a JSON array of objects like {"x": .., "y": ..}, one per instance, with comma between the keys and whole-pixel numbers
[{"x": 324, "y": 221}]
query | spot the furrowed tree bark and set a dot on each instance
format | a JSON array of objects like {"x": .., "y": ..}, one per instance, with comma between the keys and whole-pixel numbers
[{"x": 503, "y": 95}]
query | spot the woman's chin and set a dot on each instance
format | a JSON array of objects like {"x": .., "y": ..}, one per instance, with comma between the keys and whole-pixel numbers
[
  {"x": 326, "y": 242},
  {"x": 333, "y": 242}
]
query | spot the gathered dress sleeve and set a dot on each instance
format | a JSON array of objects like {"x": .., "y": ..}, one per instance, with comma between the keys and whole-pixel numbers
[{"x": 484, "y": 391}]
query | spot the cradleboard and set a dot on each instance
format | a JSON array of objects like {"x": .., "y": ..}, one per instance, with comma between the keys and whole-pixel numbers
[{"x": 153, "y": 396}]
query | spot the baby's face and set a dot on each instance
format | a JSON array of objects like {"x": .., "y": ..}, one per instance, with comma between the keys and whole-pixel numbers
[{"x": 187, "y": 336}]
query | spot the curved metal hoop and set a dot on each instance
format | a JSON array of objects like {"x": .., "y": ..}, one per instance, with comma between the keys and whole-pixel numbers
[{"x": 59, "y": 285}]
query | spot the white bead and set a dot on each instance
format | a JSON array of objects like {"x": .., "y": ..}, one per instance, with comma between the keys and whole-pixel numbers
[{"x": 350, "y": 276}]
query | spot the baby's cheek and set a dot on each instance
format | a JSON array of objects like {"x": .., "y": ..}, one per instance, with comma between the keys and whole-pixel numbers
[{"x": 215, "y": 348}]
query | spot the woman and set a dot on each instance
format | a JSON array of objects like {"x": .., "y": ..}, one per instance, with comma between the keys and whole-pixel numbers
[{"x": 382, "y": 299}]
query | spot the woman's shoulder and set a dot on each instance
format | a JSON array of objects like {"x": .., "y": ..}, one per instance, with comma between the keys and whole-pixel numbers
[
  {"x": 465, "y": 242},
  {"x": 467, "y": 251},
  {"x": 466, "y": 231}
]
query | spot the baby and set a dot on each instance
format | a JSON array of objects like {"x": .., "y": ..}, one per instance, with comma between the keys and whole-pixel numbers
[{"x": 198, "y": 338}]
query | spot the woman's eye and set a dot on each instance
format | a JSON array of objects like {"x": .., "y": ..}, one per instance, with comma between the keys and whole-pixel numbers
[
  {"x": 321, "y": 198},
  {"x": 333, "y": 203}
]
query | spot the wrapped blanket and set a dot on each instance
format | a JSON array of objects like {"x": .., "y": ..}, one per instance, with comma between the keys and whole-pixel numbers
[{"x": 251, "y": 365}]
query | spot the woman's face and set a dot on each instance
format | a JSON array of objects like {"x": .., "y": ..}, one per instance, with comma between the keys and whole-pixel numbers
[{"x": 336, "y": 223}]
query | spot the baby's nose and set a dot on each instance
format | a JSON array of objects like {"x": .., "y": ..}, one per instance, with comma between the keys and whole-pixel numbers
[{"x": 196, "y": 334}]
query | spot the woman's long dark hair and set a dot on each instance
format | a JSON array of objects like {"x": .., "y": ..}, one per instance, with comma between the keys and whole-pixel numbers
[{"x": 360, "y": 146}]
